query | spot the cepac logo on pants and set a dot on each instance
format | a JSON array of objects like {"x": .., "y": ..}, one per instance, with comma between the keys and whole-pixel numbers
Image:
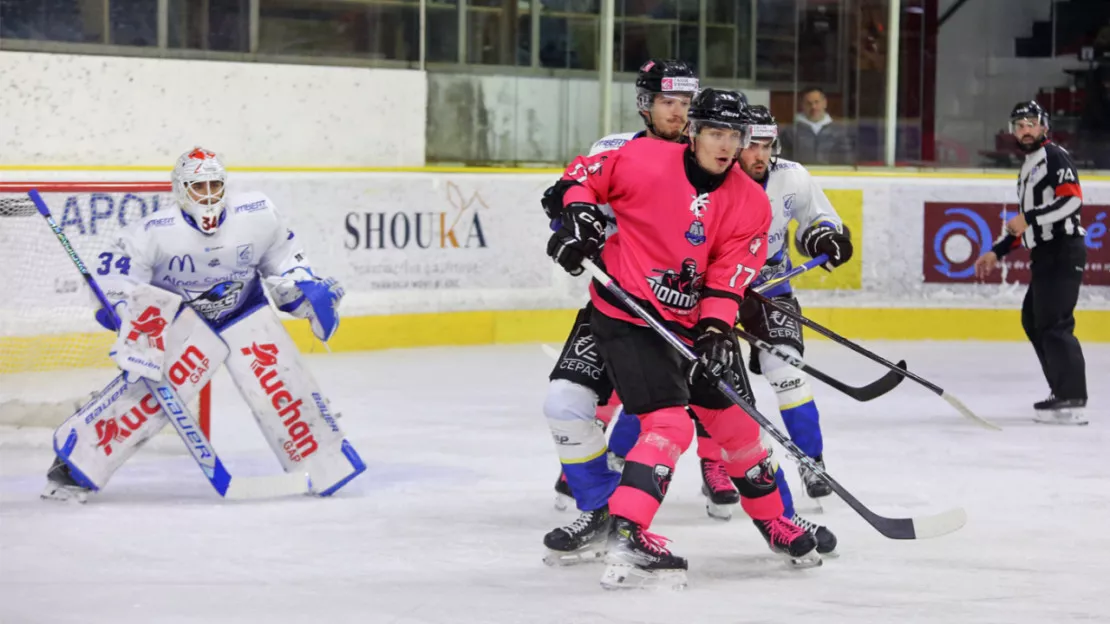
[{"x": 301, "y": 442}]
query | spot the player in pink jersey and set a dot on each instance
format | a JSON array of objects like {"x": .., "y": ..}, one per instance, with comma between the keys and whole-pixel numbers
[{"x": 691, "y": 236}]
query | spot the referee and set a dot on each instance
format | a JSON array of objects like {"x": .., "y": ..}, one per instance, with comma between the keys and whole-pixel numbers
[{"x": 1049, "y": 200}]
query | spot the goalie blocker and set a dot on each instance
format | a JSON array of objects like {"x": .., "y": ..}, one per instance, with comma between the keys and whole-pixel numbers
[{"x": 293, "y": 413}]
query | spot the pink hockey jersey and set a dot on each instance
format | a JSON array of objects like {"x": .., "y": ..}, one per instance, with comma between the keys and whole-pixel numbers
[{"x": 689, "y": 254}]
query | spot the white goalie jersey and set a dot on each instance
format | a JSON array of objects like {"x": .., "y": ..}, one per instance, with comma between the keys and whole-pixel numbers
[
  {"x": 794, "y": 196},
  {"x": 219, "y": 275}
]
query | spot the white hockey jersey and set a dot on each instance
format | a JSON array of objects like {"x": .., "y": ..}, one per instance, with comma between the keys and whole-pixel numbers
[
  {"x": 218, "y": 275},
  {"x": 614, "y": 141},
  {"x": 794, "y": 196}
]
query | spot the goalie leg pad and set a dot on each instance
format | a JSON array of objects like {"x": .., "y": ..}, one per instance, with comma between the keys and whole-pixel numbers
[
  {"x": 107, "y": 431},
  {"x": 290, "y": 408}
]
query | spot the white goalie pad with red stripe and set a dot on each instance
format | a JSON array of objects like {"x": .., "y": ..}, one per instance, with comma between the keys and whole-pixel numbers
[
  {"x": 294, "y": 414},
  {"x": 106, "y": 431}
]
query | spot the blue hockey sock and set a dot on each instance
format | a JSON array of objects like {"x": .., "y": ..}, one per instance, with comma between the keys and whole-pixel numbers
[
  {"x": 784, "y": 492},
  {"x": 626, "y": 430},
  {"x": 802, "y": 422},
  {"x": 592, "y": 482}
]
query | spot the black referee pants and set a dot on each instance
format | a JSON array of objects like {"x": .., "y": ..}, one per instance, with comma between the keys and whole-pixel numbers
[{"x": 1047, "y": 314}]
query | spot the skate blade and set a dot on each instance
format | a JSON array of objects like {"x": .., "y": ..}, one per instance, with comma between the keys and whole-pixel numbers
[
  {"x": 563, "y": 502},
  {"x": 619, "y": 576},
  {"x": 809, "y": 560},
  {"x": 1061, "y": 417},
  {"x": 586, "y": 554},
  {"x": 718, "y": 512},
  {"x": 64, "y": 493}
]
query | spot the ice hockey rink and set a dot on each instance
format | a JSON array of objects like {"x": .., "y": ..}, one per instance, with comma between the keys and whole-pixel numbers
[{"x": 447, "y": 522}]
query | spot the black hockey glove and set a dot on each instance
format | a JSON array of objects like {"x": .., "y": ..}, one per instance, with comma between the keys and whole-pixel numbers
[
  {"x": 580, "y": 236},
  {"x": 833, "y": 241},
  {"x": 716, "y": 351}
]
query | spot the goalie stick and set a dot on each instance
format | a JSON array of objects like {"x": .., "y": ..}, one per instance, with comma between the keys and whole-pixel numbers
[
  {"x": 899, "y": 368},
  {"x": 893, "y": 528},
  {"x": 178, "y": 413}
]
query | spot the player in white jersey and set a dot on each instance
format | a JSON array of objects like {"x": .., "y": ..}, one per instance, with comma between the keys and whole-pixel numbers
[
  {"x": 794, "y": 197},
  {"x": 188, "y": 288}
]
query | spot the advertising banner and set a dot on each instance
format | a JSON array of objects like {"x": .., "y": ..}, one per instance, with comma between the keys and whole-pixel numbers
[{"x": 956, "y": 234}]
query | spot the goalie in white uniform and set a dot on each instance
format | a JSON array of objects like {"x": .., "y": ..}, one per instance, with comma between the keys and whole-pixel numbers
[{"x": 187, "y": 286}]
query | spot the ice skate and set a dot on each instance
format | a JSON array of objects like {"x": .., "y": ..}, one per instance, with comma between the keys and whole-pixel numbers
[
  {"x": 60, "y": 485},
  {"x": 581, "y": 541},
  {"x": 816, "y": 487},
  {"x": 1053, "y": 411},
  {"x": 720, "y": 494},
  {"x": 638, "y": 559},
  {"x": 790, "y": 540},
  {"x": 563, "y": 496},
  {"x": 826, "y": 539}
]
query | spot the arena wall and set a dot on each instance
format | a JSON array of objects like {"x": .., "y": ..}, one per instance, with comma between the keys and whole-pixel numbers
[{"x": 454, "y": 257}]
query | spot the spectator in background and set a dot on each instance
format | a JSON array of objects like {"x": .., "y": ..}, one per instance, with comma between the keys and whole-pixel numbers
[{"x": 815, "y": 139}]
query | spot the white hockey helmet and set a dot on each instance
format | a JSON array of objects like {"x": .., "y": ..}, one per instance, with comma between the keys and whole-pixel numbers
[{"x": 198, "y": 186}]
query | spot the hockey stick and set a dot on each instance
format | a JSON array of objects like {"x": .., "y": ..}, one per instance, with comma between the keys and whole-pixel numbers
[
  {"x": 178, "y": 413},
  {"x": 894, "y": 528},
  {"x": 792, "y": 273},
  {"x": 873, "y": 390},
  {"x": 901, "y": 370}
]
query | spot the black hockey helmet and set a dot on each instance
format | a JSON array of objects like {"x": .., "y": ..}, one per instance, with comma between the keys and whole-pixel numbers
[
  {"x": 763, "y": 126},
  {"x": 1029, "y": 109},
  {"x": 718, "y": 107},
  {"x": 664, "y": 76}
]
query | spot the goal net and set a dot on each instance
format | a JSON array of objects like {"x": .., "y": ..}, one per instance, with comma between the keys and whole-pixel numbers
[{"x": 53, "y": 353}]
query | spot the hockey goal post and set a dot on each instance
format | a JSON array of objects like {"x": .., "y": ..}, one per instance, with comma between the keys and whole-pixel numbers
[{"x": 53, "y": 354}]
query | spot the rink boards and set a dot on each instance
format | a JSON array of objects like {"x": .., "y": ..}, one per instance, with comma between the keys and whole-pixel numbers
[{"x": 456, "y": 256}]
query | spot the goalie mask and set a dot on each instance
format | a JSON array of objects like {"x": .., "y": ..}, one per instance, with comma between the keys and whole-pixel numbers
[{"x": 198, "y": 187}]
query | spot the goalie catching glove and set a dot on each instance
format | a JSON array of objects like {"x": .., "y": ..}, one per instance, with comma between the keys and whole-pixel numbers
[
  {"x": 300, "y": 293},
  {"x": 830, "y": 239},
  {"x": 581, "y": 235}
]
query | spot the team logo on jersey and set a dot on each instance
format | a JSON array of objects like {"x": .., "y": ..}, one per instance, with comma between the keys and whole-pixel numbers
[
  {"x": 678, "y": 290},
  {"x": 696, "y": 234},
  {"x": 754, "y": 246},
  {"x": 214, "y": 302},
  {"x": 788, "y": 205},
  {"x": 244, "y": 254}
]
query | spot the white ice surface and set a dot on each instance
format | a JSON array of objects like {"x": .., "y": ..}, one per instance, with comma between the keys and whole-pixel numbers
[{"x": 447, "y": 523}]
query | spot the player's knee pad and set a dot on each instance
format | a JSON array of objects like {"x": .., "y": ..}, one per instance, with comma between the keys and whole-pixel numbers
[
  {"x": 108, "y": 430},
  {"x": 293, "y": 413},
  {"x": 570, "y": 412},
  {"x": 790, "y": 384},
  {"x": 670, "y": 426}
]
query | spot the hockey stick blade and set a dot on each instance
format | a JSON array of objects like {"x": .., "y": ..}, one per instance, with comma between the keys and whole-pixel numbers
[
  {"x": 893, "y": 528},
  {"x": 873, "y": 390},
  {"x": 246, "y": 488},
  {"x": 841, "y": 340}
]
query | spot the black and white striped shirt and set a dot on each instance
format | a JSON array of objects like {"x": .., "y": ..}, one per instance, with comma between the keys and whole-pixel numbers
[{"x": 1049, "y": 196}]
